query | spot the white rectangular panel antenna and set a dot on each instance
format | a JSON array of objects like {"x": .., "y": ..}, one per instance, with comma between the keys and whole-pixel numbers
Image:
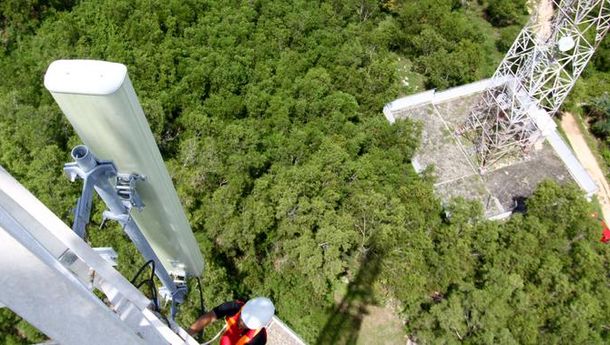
[{"x": 100, "y": 102}]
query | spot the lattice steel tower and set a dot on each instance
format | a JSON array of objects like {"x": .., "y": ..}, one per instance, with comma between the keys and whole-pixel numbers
[{"x": 536, "y": 75}]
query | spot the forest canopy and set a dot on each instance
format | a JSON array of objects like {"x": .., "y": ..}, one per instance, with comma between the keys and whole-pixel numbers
[{"x": 268, "y": 115}]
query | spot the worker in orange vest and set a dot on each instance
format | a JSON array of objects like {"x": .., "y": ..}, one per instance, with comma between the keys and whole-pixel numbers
[{"x": 245, "y": 323}]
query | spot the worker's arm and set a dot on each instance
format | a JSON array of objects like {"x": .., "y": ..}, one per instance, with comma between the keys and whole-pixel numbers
[
  {"x": 202, "y": 322},
  {"x": 221, "y": 311}
]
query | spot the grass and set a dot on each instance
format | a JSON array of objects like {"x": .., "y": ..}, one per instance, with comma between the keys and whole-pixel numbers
[
  {"x": 359, "y": 317},
  {"x": 596, "y": 206},
  {"x": 381, "y": 326},
  {"x": 592, "y": 142},
  {"x": 562, "y": 133}
]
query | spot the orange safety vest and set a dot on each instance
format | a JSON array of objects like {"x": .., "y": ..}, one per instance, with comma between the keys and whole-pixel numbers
[{"x": 235, "y": 335}]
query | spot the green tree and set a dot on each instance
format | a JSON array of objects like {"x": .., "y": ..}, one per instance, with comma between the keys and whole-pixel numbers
[
  {"x": 296, "y": 187},
  {"x": 506, "y": 12}
]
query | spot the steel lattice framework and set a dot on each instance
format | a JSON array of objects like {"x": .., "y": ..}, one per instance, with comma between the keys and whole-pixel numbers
[{"x": 536, "y": 74}]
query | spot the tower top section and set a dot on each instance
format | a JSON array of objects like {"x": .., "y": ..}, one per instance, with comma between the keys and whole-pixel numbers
[{"x": 87, "y": 77}]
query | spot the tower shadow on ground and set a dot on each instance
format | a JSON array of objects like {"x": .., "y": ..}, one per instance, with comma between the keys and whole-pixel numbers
[{"x": 343, "y": 326}]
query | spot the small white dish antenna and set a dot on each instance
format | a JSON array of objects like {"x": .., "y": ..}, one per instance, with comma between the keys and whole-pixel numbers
[{"x": 566, "y": 43}]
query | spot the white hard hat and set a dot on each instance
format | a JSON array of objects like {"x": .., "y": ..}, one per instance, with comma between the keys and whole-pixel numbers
[{"x": 257, "y": 312}]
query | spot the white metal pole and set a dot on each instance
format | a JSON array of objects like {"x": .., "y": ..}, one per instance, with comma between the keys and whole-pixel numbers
[{"x": 47, "y": 274}]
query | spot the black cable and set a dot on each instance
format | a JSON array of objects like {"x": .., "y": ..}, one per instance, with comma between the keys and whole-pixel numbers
[
  {"x": 201, "y": 304},
  {"x": 149, "y": 262},
  {"x": 200, "y": 296},
  {"x": 153, "y": 287},
  {"x": 153, "y": 290},
  {"x": 150, "y": 282}
]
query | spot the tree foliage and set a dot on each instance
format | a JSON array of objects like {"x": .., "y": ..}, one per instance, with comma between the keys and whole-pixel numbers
[
  {"x": 450, "y": 43},
  {"x": 506, "y": 12},
  {"x": 268, "y": 116}
]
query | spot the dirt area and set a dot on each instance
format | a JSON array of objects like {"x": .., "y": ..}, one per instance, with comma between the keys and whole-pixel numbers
[
  {"x": 587, "y": 159},
  {"x": 544, "y": 16}
]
